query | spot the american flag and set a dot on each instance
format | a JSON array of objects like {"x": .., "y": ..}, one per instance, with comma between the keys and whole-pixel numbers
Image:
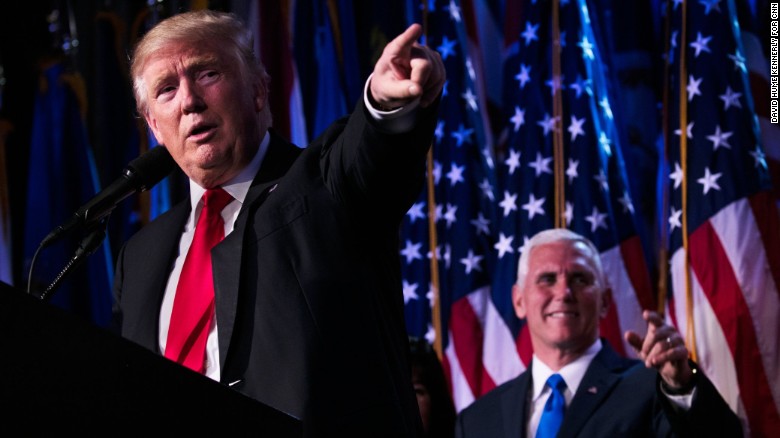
[
  {"x": 727, "y": 306},
  {"x": 462, "y": 174},
  {"x": 484, "y": 342}
]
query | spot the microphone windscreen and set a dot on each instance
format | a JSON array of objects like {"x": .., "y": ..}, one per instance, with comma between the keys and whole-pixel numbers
[{"x": 150, "y": 168}]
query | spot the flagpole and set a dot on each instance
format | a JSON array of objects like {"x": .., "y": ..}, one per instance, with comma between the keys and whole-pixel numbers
[{"x": 560, "y": 221}]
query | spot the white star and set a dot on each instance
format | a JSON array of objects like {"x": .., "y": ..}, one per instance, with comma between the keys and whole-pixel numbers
[
  {"x": 575, "y": 128},
  {"x": 470, "y": 69},
  {"x": 571, "y": 171},
  {"x": 504, "y": 245},
  {"x": 416, "y": 212},
  {"x": 462, "y": 135},
  {"x": 677, "y": 175},
  {"x": 568, "y": 213},
  {"x": 730, "y": 98},
  {"x": 430, "y": 295},
  {"x": 759, "y": 157},
  {"x": 555, "y": 83},
  {"x": 481, "y": 224},
  {"x": 596, "y": 220},
  {"x": 519, "y": 118},
  {"x": 739, "y": 61},
  {"x": 471, "y": 262},
  {"x": 601, "y": 178},
  {"x": 710, "y": 5},
  {"x": 455, "y": 175},
  {"x": 579, "y": 86},
  {"x": 529, "y": 34},
  {"x": 548, "y": 124},
  {"x": 410, "y": 292},
  {"x": 688, "y": 131},
  {"x": 488, "y": 154},
  {"x": 604, "y": 142},
  {"x": 439, "y": 133},
  {"x": 604, "y": 103},
  {"x": 534, "y": 206},
  {"x": 509, "y": 203},
  {"x": 709, "y": 180},
  {"x": 513, "y": 161},
  {"x": 720, "y": 139},
  {"x": 436, "y": 172},
  {"x": 449, "y": 216},
  {"x": 674, "y": 219},
  {"x": 693, "y": 87},
  {"x": 447, "y": 48},
  {"x": 541, "y": 165},
  {"x": 524, "y": 76},
  {"x": 447, "y": 256},
  {"x": 487, "y": 189},
  {"x": 411, "y": 251},
  {"x": 470, "y": 99},
  {"x": 701, "y": 44},
  {"x": 521, "y": 248},
  {"x": 454, "y": 11},
  {"x": 587, "y": 48},
  {"x": 625, "y": 201},
  {"x": 437, "y": 213},
  {"x": 430, "y": 335}
]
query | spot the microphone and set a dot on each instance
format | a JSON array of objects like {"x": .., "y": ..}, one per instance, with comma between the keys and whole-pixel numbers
[{"x": 140, "y": 174}]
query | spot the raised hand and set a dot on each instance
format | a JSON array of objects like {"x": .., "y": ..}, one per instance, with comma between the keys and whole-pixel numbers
[
  {"x": 407, "y": 71},
  {"x": 664, "y": 349}
]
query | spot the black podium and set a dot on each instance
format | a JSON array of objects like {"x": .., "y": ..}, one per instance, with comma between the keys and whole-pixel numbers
[{"x": 59, "y": 373}]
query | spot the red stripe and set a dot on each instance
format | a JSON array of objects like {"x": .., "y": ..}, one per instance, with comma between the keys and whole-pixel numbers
[
  {"x": 524, "y": 347},
  {"x": 760, "y": 94},
  {"x": 609, "y": 328},
  {"x": 277, "y": 58},
  {"x": 774, "y": 173},
  {"x": 636, "y": 268},
  {"x": 467, "y": 337},
  {"x": 768, "y": 222},
  {"x": 719, "y": 283}
]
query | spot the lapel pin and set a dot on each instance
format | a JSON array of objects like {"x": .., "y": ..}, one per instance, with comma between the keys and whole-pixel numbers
[{"x": 593, "y": 390}]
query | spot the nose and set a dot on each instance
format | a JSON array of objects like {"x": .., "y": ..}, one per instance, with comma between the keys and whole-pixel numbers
[
  {"x": 192, "y": 100},
  {"x": 563, "y": 290}
]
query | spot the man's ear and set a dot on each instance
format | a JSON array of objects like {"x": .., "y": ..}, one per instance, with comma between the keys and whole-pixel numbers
[
  {"x": 606, "y": 301},
  {"x": 152, "y": 123},
  {"x": 261, "y": 95},
  {"x": 517, "y": 301}
]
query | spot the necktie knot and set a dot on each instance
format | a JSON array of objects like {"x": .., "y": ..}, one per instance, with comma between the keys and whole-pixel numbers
[
  {"x": 556, "y": 383},
  {"x": 214, "y": 200}
]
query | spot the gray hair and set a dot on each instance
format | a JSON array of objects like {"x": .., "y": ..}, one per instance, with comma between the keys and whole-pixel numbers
[
  {"x": 553, "y": 235},
  {"x": 202, "y": 27}
]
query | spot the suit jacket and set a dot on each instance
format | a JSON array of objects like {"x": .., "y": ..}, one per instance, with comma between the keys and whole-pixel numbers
[
  {"x": 308, "y": 292},
  {"x": 618, "y": 397}
]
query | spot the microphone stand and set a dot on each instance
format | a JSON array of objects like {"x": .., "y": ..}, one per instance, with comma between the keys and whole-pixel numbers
[{"x": 88, "y": 245}]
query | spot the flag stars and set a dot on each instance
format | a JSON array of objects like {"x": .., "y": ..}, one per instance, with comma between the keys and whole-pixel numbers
[
  {"x": 446, "y": 48},
  {"x": 504, "y": 245},
  {"x": 575, "y": 128},
  {"x": 529, "y": 34},
  {"x": 571, "y": 170},
  {"x": 454, "y": 11},
  {"x": 487, "y": 189},
  {"x": 597, "y": 220},
  {"x": 455, "y": 175},
  {"x": 604, "y": 104},
  {"x": 580, "y": 86},
  {"x": 693, "y": 87},
  {"x": 439, "y": 132},
  {"x": 449, "y": 215},
  {"x": 411, "y": 251},
  {"x": 416, "y": 212},
  {"x": 677, "y": 175},
  {"x": 675, "y": 219},
  {"x": 730, "y": 98},
  {"x": 555, "y": 83},
  {"x": 436, "y": 172},
  {"x": 509, "y": 203},
  {"x": 541, "y": 165},
  {"x": 430, "y": 334},
  {"x": 518, "y": 119},
  {"x": 462, "y": 135},
  {"x": 710, "y": 5},
  {"x": 720, "y": 139},
  {"x": 709, "y": 180},
  {"x": 601, "y": 178},
  {"x": 587, "y": 48},
  {"x": 548, "y": 124},
  {"x": 470, "y": 98},
  {"x": 534, "y": 206},
  {"x": 513, "y": 161},
  {"x": 625, "y": 201},
  {"x": 605, "y": 144},
  {"x": 739, "y": 61},
  {"x": 700, "y": 45},
  {"x": 759, "y": 157},
  {"x": 524, "y": 76},
  {"x": 688, "y": 131},
  {"x": 410, "y": 292},
  {"x": 568, "y": 213},
  {"x": 482, "y": 224},
  {"x": 472, "y": 261}
]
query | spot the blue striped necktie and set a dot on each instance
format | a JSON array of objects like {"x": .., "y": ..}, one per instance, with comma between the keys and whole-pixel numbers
[{"x": 552, "y": 416}]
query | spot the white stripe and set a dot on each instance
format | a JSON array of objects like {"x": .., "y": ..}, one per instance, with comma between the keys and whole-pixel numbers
[
  {"x": 623, "y": 296},
  {"x": 461, "y": 391},
  {"x": 738, "y": 232},
  {"x": 499, "y": 351},
  {"x": 714, "y": 355}
]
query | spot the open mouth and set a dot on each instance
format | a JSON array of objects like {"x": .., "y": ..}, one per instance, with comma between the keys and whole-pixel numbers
[
  {"x": 201, "y": 131},
  {"x": 562, "y": 314}
]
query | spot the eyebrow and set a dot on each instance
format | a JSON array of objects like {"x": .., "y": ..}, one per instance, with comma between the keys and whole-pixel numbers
[{"x": 193, "y": 64}]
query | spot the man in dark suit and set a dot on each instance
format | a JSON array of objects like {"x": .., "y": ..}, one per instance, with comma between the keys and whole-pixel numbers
[
  {"x": 562, "y": 292},
  {"x": 307, "y": 309}
]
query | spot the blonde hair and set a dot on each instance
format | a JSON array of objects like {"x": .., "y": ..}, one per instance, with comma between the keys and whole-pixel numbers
[{"x": 195, "y": 28}]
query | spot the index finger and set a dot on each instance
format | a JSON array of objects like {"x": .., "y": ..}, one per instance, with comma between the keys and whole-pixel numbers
[
  {"x": 653, "y": 318},
  {"x": 404, "y": 41}
]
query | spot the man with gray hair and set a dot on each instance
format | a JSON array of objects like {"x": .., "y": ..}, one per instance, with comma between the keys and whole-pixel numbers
[{"x": 576, "y": 384}]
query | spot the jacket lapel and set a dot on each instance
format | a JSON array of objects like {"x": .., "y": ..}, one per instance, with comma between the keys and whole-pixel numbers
[{"x": 514, "y": 407}]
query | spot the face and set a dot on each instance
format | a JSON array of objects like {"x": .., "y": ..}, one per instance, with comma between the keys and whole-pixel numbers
[
  {"x": 202, "y": 110},
  {"x": 562, "y": 298},
  {"x": 423, "y": 397}
]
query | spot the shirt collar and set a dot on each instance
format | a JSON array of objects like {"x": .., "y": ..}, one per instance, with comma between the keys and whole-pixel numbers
[
  {"x": 572, "y": 373},
  {"x": 239, "y": 185}
]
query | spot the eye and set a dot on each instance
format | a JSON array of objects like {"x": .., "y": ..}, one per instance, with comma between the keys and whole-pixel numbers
[
  {"x": 581, "y": 279},
  {"x": 546, "y": 279},
  {"x": 206, "y": 76},
  {"x": 165, "y": 92}
]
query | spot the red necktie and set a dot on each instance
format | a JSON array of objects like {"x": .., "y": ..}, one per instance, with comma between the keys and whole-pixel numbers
[{"x": 193, "y": 305}]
